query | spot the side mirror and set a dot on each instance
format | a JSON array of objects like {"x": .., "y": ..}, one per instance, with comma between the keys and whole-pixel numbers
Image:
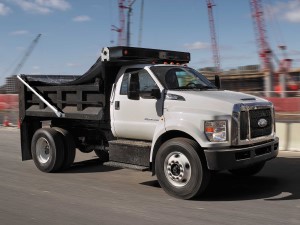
[
  {"x": 156, "y": 93},
  {"x": 133, "y": 87},
  {"x": 218, "y": 81}
]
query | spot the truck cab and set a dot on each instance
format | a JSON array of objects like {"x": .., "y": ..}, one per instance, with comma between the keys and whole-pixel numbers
[{"x": 157, "y": 113}]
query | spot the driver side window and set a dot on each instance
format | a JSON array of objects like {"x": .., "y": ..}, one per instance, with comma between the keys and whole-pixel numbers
[{"x": 146, "y": 83}]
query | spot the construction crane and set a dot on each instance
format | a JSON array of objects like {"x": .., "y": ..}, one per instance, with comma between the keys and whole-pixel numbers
[
  {"x": 265, "y": 52},
  {"x": 278, "y": 80},
  {"x": 26, "y": 55},
  {"x": 264, "y": 49},
  {"x": 214, "y": 43},
  {"x": 121, "y": 28},
  {"x": 122, "y": 40}
]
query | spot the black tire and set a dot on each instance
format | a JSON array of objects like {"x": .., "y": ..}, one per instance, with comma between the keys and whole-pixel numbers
[
  {"x": 248, "y": 171},
  {"x": 102, "y": 154},
  {"x": 69, "y": 146},
  {"x": 181, "y": 169},
  {"x": 47, "y": 149}
]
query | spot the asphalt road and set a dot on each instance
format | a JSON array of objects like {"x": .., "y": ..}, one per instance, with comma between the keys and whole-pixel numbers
[{"x": 90, "y": 193}]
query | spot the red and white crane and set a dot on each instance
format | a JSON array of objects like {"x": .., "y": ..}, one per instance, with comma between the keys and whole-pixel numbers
[
  {"x": 275, "y": 80},
  {"x": 121, "y": 28},
  {"x": 265, "y": 52},
  {"x": 124, "y": 39}
]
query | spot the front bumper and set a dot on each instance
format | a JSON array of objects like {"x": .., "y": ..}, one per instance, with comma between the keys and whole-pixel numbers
[{"x": 233, "y": 158}]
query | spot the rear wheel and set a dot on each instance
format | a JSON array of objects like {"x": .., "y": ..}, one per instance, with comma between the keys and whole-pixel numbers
[
  {"x": 47, "y": 150},
  {"x": 180, "y": 168},
  {"x": 69, "y": 146},
  {"x": 248, "y": 171}
]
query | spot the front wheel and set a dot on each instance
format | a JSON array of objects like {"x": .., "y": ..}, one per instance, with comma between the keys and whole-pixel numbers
[{"x": 181, "y": 170}]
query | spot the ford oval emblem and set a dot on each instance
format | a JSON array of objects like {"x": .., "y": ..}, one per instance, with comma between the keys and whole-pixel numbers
[{"x": 262, "y": 122}]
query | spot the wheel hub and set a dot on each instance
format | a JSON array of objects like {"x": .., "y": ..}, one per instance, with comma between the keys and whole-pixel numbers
[
  {"x": 177, "y": 169},
  {"x": 42, "y": 150}
]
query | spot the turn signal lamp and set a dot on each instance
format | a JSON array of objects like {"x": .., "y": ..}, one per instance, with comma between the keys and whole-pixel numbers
[{"x": 216, "y": 130}]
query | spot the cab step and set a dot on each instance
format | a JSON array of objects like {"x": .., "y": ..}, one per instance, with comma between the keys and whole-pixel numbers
[
  {"x": 125, "y": 166},
  {"x": 130, "y": 152}
]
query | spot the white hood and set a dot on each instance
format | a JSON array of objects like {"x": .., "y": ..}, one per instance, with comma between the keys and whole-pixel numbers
[{"x": 219, "y": 102}]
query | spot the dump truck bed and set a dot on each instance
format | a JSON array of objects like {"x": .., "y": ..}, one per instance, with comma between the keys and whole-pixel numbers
[
  {"x": 75, "y": 102},
  {"x": 75, "y": 97}
]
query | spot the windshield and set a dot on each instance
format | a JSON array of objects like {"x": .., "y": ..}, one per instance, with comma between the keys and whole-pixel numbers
[{"x": 181, "y": 78}]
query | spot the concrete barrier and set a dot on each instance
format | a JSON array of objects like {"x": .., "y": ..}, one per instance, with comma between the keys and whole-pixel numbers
[
  {"x": 289, "y": 135},
  {"x": 10, "y": 117}
]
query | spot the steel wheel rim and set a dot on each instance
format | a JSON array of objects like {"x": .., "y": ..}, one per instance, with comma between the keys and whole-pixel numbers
[
  {"x": 43, "y": 150},
  {"x": 177, "y": 169}
]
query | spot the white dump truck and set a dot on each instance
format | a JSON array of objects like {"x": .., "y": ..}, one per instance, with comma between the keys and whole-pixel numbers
[{"x": 146, "y": 108}]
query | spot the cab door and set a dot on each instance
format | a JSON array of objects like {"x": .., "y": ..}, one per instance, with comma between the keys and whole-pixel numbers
[{"x": 136, "y": 119}]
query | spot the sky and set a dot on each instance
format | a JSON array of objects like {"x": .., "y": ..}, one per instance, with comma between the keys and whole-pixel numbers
[{"x": 75, "y": 31}]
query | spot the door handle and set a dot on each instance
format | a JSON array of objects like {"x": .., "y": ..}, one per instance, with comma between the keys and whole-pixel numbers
[{"x": 117, "y": 105}]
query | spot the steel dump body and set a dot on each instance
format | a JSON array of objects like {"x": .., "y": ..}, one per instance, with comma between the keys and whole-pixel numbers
[{"x": 76, "y": 102}]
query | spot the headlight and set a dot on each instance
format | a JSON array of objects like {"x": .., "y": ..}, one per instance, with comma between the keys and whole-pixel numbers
[{"x": 216, "y": 131}]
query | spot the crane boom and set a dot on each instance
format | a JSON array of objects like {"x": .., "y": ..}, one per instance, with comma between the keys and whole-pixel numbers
[
  {"x": 265, "y": 52},
  {"x": 26, "y": 55},
  {"x": 214, "y": 43},
  {"x": 121, "y": 29}
]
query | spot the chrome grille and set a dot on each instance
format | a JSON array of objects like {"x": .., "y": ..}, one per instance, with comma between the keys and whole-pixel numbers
[
  {"x": 249, "y": 121},
  {"x": 244, "y": 125},
  {"x": 255, "y": 116},
  {"x": 247, "y": 126}
]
